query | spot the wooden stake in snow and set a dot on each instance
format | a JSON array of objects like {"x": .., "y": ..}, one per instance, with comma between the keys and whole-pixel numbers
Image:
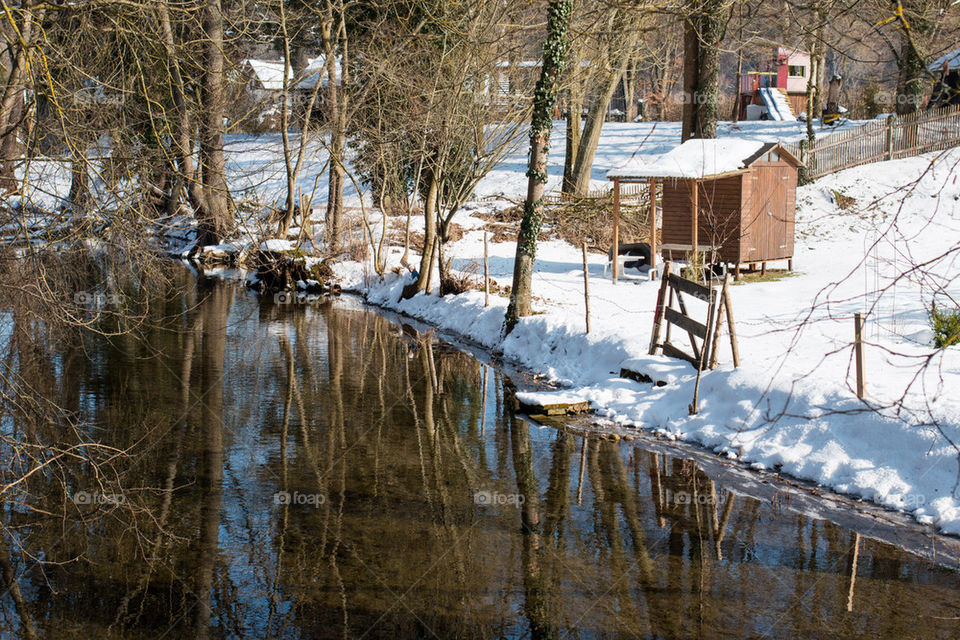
[
  {"x": 728, "y": 307},
  {"x": 695, "y": 405},
  {"x": 486, "y": 272},
  {"x": 586, "y": 285},
  {"x": 724, "y": 309},
  {"x": 858, "y": 347},
  {"x": 658, "y": 314}
]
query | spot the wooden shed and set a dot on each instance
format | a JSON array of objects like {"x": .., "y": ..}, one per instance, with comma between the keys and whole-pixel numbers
[{"x": 734, "y": 200}]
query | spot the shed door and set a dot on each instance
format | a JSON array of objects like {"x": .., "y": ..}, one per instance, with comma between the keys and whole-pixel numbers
[{"x": 767, "y": 227}]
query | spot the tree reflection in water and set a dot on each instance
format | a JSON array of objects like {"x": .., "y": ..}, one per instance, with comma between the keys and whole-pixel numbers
[{"x": 317, "y": 471}]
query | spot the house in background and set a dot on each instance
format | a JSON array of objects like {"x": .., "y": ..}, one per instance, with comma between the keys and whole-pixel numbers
[
  {"x": 775, "y": 87},
  {"x": 262, "y": 88}
]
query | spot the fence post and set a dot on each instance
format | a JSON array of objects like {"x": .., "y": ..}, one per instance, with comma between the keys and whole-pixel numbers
[
  {"x": 891, "y": 120},
  {"x": 858, "y": 346},
  {"x": 586, "y": 286}
]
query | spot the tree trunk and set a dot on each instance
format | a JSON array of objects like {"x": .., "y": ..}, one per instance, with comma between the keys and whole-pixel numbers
[
  {"x": 574, "y": 122},
  {"x": 704, "y": 31},
  {"x": 691, "y": 61},
  {"x": 79, "y": 181},
  {"x": 184, "y": 139},
  {"x": 336, "y": 107},
  {"x": 912, "y": 78},
  {"x": 10, "y": 149},
  {"x": 11, "y": 99},
  {"x": 545, "y": 97},
  {"x": 429, "y": 234},
  {"x": 630, "y": 91},
  {"x": 215, "y": 222},
  {"x": 286, "y": 217},
  {"x": 711, "y": 33},
  {"x": 587, "y": 149}
]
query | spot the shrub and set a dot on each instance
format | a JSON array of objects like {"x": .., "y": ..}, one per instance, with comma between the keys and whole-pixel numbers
[{"x": 946, "y": 326}]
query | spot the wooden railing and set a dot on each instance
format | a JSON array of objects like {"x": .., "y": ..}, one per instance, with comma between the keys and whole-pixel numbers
[{"x": 889, "y": 139}]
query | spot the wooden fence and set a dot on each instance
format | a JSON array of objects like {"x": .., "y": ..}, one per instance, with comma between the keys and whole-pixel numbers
[
  {"x": 889, "y": 139},
  {"x": 605, "y": 193}
]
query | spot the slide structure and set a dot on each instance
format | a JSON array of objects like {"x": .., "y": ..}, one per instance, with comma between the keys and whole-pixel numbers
[{"x": 777, "y": 104}]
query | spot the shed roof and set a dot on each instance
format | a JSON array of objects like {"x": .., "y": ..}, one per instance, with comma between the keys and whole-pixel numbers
[{"x": 699, "y": 158}]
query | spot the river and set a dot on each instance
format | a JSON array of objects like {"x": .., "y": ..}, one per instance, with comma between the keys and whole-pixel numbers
[{"x": 323, "y": 470}]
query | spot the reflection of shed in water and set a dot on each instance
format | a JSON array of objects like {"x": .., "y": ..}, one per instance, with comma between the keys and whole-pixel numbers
[{"x": 733, "y": 199}]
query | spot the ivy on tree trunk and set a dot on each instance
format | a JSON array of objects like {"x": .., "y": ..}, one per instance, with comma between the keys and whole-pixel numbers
[{"x": 545, "y": 98}]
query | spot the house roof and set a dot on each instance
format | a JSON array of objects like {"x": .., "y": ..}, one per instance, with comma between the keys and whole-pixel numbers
[
  {"x": 269, "y": 73},
  {"x": 952, "y": 59},
  {"x": 698, "y": 158}
]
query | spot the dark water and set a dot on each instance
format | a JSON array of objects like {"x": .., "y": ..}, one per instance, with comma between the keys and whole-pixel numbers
[{"x": 317, "y": 471}]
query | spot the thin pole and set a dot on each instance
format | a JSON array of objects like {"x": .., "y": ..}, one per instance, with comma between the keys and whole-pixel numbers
[
  {"x": 653, "y": 224},
  {"x": 731, "y": 328},
  {"x": 695, "y": 405},
  {"x": 858, "y": 344},
  {"x": 586, "y": 286},
  {"x": 695, "y": 219},
  {"x": 616, "y": 230},
  {"x": 486, "y": 272}
]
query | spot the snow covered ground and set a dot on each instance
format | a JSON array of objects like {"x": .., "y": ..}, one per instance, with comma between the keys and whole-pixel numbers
[{"x": 791, "y": 404}]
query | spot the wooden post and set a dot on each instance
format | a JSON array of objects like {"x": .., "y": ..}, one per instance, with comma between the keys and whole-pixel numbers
[
  {"x": 486, "y": 272},
  {"x": 695, "y": 219},
  {"x": 858, "y": 347},
  {"x": 718, "y": 328},
  {"x": 731, "y": 328},
  {"x": 890, "y": 122},
  {"x": 653, "y": 224},
  {"x": 695, "y": 405},
  {"x": 616, "y": 230},
  {"x": 586, "y": 286},
  {"x": 660, "y": 310}
]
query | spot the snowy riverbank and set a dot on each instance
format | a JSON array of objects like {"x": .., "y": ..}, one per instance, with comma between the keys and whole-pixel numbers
[{"x": 790, "y": 406}]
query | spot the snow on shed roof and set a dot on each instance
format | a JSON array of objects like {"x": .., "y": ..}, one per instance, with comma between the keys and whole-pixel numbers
[
  {"x": 952, "y": 59},
  {"x": 695, "y": 159}
]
